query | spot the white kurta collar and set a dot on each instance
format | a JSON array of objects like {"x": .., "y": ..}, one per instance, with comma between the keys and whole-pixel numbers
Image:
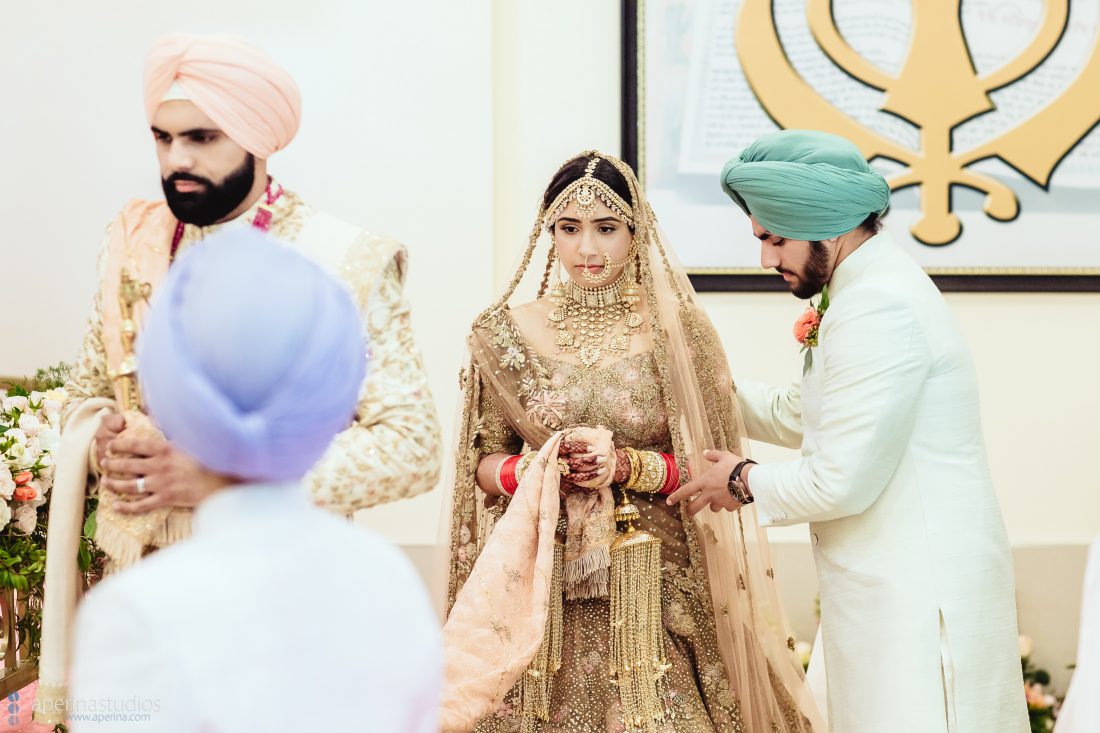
[
  {"x": 228, "y": 507},
  {"x": 857, "y": 262}
]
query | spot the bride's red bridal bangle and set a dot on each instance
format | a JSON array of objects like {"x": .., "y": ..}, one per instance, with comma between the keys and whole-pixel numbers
[
  {"x": 672, "y": 474},
  {"x": 507, "y": 482}
]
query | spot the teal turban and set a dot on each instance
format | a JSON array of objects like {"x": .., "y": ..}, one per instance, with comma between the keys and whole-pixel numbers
[{"x": 804, "y": 184}]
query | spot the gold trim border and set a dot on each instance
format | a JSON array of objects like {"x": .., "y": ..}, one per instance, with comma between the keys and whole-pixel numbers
[{"x": 640, "y": 94}]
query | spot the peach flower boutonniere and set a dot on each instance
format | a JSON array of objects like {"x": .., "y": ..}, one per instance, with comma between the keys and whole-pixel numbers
[{"x": 808, "y": 324}]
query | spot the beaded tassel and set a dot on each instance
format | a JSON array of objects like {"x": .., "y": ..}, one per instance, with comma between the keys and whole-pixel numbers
[
  {"x": 638, "y": 663},
  {"x": 537, "y": 683}
]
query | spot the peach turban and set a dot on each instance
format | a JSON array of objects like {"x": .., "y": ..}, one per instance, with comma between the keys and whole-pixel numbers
[{"x": 251, "y": 99}]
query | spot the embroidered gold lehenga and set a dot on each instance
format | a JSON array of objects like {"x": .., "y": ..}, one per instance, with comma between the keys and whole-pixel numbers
[{"x": 524, "y": 655}]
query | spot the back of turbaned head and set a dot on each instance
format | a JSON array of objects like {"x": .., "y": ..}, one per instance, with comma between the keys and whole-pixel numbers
[{"x": 252, "y": 357}]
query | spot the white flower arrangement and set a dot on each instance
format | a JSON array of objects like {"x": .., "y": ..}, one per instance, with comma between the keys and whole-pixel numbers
[{"x": 30, "y": 435}]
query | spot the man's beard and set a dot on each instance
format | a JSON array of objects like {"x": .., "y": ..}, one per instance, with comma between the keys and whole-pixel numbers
[
  {"x": 215, "y": 201},
  {"x": 815, "y": 275}
]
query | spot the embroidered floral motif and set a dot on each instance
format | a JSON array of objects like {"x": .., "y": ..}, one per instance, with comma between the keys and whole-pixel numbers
[
  {"x": 546, "y": 406},
  {"x": 513, "y": 358},
  {"x": 678, "y": 619}
]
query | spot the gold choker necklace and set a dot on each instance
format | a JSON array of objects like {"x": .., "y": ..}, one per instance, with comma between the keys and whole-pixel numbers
[
  {"x": 586, "y": 320},
  {"x": 595, "y": 297}
]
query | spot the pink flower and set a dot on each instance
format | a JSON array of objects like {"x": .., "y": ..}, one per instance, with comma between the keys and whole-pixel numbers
[
  {"x": 24, "y": 518},
  {"x": 22, "y": 478},
  {"x": 806, "y": 324},
  {"x": 24, "y": 493},
  {"x": 1036, "y": 700},
  {"x": 547, "y": 407}
]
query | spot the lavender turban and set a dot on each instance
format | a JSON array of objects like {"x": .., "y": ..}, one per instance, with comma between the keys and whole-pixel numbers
[{"x": 252, "y": 357}]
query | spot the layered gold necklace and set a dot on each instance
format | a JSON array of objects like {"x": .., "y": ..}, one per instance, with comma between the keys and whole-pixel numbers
[{"x": 588, "y": 320}]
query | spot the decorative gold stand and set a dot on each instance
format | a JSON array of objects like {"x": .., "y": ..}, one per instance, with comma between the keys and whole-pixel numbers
[{"x": 20, "y": 669}]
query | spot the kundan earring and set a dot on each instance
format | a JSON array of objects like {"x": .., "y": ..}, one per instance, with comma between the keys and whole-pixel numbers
[{"x": 557, "y": 294}]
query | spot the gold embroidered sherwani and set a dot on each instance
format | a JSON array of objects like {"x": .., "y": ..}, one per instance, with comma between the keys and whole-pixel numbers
[{"x": 392, "y": 449}]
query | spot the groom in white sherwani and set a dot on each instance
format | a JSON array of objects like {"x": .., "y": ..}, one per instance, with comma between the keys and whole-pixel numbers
[{"x": 918, "y": 611}]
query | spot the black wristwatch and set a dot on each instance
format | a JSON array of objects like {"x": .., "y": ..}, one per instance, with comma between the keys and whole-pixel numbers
[{"x": 736, "y": 486}]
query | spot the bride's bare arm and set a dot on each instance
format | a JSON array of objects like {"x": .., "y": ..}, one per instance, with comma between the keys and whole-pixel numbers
[{"x": 487, "y": 473}]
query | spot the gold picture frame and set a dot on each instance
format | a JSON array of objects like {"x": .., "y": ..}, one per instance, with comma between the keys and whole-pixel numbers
[{"x": 1038, "y": 170}]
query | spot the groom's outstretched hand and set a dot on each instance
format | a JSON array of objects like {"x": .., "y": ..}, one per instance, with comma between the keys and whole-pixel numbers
[{"x": 711, "y": 488}]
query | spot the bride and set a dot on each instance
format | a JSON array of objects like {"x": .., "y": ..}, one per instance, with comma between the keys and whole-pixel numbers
[{"x": 578, "y": 601}]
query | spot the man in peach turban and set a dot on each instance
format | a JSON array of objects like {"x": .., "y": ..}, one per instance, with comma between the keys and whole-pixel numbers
[{"x": 218, "y": 109}]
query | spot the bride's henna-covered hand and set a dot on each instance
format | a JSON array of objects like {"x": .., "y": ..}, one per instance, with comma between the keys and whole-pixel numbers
[
  {"x": 583, "y": 466},
  {"x": 599, "y": 456},
  {"x": 573, "y": 447}
]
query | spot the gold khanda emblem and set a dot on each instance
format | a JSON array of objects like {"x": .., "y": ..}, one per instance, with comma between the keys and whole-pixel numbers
[
  {"x": 936, "y": 90},
  {"x": 130, "y": 293}
]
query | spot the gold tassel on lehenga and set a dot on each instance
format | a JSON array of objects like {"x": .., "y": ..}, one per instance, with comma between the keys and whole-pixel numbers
[
  {"x": 638, "y": 663},
  {"x": 537, "y": 683}
]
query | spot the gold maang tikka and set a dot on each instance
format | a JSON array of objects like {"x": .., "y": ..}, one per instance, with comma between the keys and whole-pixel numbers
[{"x": 584, "y": 193}]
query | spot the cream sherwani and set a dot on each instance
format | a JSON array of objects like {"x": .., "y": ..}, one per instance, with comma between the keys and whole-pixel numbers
[
  {"x": 917, "y": 600},
  {"x": 274, "y": 616},
  {"x": 393, "y": 449}
]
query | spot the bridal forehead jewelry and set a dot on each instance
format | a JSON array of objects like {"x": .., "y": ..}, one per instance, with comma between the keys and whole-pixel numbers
[{"x": 585, "y": 192}]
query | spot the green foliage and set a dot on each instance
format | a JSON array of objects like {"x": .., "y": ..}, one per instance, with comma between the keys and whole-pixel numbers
[
  {"x": 23, "y": 556},
  {"x": 23, "y": 567},
  {"x": 49, "y": 378}
]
